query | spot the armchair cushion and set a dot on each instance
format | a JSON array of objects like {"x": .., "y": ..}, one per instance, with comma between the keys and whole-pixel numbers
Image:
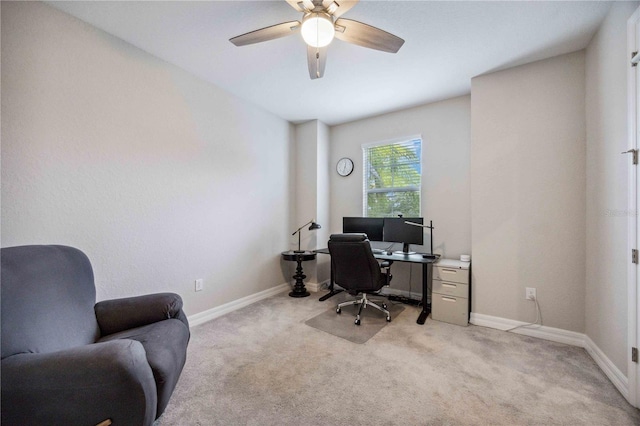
[
  {"x": 122, "y": 314},
  {"x": 38, "y": 387}
]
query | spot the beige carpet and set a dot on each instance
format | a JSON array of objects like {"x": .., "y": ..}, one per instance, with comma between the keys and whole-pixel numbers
[
  {"x": 262, "y": 365},
  {"x": 372, "y": 320}
]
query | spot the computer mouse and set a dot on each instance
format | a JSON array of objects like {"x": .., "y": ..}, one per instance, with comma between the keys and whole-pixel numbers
[{"x": 389, "y": 253}]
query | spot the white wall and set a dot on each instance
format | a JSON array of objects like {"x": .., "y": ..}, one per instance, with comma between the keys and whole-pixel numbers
[
  {"x": 528, "y": 191},
  {"x": 323, "y": 215},
  {"x": 159, "y": 177},
  {"x": 312, "y": 196},
  {"x": 445, "y": 130},
  {"x": 306, "y": 195},
  {"x": 607, "y": 257}
]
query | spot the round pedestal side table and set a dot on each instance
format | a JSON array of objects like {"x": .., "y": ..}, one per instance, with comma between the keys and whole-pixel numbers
[{"x": 299, "y": 289}]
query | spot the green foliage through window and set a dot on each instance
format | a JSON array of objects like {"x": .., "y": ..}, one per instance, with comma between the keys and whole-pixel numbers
[{"x": 392, "y": 178}]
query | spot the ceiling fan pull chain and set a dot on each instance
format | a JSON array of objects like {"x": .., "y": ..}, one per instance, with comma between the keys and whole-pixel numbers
[{"x": 318, "y": 62}]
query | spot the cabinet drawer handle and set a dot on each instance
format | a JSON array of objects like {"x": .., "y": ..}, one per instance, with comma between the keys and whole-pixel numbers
[
  {"x": 451, "y": 271},
  {"x": 448, "y": 299},
  {"x": 449, "y": 285}
]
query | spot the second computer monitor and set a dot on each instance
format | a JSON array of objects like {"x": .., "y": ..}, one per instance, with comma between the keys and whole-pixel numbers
[
  {"x": 372, "y": 226},
  {"x": 397, "y": 231}
]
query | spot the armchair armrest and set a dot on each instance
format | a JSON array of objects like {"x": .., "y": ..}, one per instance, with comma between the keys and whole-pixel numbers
[
  {"x": 122, "y": 314},
  {"x": 80, "y": 386}
]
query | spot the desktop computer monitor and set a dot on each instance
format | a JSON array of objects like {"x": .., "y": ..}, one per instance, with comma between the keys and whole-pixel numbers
[
  {"x": 372, "y": 226},
  {"x": 397, "y": 231}
]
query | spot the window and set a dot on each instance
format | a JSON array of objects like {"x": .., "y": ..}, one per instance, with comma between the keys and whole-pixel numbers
[{"x": 392, "y": 178}]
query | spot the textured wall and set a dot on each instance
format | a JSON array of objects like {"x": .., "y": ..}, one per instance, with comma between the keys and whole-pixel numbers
[
  {"x": 528, "y": 191},
  {"x": 159, "y": 177}
]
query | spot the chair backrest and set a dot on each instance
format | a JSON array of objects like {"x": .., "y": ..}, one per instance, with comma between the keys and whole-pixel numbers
[
  {"x": 354, "y": 267},
  {"x": 48, "y": 299}
]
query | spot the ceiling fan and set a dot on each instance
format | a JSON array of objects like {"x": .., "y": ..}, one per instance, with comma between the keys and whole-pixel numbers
[{"x": 321, "y": 22}]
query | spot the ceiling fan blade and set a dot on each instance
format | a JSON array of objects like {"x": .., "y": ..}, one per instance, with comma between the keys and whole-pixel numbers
[
  {"x": 317, "y": 59},
  {"x": 265, "y": 34},
  {"x": 301, "y": 5},
  {"x": 294, "y": 4},
  {"x": 337, "y": 8},
  {"x": 367, "y": 36}
]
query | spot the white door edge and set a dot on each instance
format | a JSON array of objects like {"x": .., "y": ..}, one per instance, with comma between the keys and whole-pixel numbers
[{"x": 633, "y": 44}]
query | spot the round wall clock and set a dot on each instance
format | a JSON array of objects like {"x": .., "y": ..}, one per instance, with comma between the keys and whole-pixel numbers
[{"x": 344, "y": 166}]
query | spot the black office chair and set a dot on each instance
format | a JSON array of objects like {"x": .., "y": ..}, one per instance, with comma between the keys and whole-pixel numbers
[{"x": 357, "y": 271}]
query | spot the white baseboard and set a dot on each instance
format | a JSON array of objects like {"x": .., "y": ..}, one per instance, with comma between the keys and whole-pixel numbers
[
  {"x": 619, "y": 380},
  {"x": 312, "y": 287},
  {"x": 542, "y": 332},
  {"x": 559, "y": 335},
  {"x": 209, "y": 314},
  {"x": 316, "y": 287}
]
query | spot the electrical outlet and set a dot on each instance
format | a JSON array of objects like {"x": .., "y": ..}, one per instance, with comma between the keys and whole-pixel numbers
[
  {"x": 530, "y": 293},
  {"x": 199, "y": 284}
]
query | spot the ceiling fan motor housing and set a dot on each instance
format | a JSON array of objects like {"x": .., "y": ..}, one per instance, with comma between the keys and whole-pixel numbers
[{"x": 317, "y": 28}]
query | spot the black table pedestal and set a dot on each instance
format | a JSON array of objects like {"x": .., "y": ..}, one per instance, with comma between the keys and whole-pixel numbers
[{"x": 299, "y": 290}]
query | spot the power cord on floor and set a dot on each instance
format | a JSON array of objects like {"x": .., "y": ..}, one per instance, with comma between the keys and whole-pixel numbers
[
  {"x": 406, "y": 300},
  {"x": 538, "y": 317},
  {"x": 395, "y": 298}
]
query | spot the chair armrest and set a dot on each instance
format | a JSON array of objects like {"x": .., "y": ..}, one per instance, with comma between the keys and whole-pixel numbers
[
  {"x": 123, "y": 314},
  {"x": 80, "y": 386},
  {"x": 386, "y": 264}
]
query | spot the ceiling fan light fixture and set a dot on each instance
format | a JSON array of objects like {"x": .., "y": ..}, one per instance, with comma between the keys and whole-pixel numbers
[{"x": 317, "y": 29}]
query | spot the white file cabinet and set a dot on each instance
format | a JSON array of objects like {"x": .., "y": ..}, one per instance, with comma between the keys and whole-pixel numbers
[{"x": 450, "y": 292}]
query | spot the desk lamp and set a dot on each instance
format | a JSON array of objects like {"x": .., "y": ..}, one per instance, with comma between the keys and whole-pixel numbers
[
  {"x": 313, "y": 226},
  {"x": 430, "y": 226}
]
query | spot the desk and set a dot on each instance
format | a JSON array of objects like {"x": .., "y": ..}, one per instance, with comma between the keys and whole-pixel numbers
[
  {"x": 299, "y": 290},
  {"x": 427, "y": 274}
]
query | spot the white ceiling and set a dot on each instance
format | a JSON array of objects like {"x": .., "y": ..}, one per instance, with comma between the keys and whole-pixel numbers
[{"x": 446, "y": 44}]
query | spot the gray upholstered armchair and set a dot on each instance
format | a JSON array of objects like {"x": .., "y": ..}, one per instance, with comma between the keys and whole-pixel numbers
[{"x": 67, "y": 360}]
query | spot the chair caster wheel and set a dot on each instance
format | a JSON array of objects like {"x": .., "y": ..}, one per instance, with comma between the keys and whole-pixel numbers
[
  {"x": 384, "y": 306},
  {"x": 338, "y": 310},
  {"x": 388, "y": 319},
  {"x": 357, "y": 322}
]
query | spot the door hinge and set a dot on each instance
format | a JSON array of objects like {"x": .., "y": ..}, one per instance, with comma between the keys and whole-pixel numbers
[
  {"x": 634, "y": 354},
  {"x": 634, "y": 152},
  {"x": 634, "y": 59},
  {"x": 634, "y": 256}
]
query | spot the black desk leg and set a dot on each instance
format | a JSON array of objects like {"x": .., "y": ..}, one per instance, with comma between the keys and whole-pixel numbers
[
  {"x": 332, "y": 292},
  {"x": 426, "y": 279}
]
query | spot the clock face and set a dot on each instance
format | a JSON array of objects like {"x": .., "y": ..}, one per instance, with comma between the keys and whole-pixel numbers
[{"x": 344, "y": 166}]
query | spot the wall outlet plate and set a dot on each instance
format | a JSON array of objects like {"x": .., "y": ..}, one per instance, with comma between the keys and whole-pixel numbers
[
  {"x": 199, "y": 284},
  {"x": 530, "y": 293}
]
